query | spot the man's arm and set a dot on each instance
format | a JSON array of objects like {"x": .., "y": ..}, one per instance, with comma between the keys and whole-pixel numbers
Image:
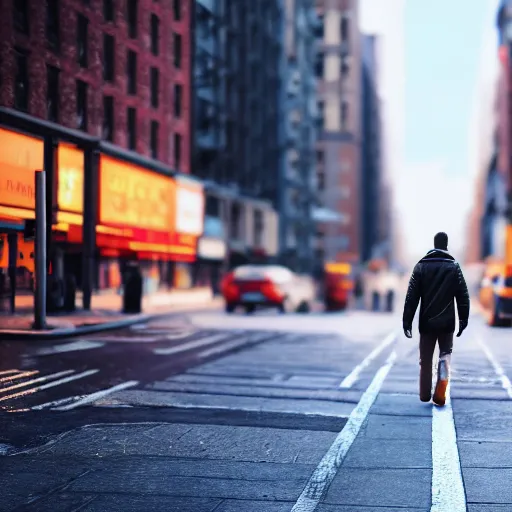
[
  {"x": 412, "y": 298},
  {"x": 462, "y": 298}
]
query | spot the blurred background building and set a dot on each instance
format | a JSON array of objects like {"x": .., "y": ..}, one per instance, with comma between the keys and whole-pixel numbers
[
  {"x": 376, "y": 204},
  {"x": 488, "y": 219},
  {"x": 338, "y": 69},
  {"x": 237, "y": 118},
  {"x": 298, "y": 178}
]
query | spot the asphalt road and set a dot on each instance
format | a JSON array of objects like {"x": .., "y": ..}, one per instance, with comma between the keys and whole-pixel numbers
[{"x": 215, "y": 412}]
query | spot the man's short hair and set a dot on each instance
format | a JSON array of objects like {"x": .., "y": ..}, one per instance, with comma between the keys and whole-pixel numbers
[{"x": 441, "y": 241}]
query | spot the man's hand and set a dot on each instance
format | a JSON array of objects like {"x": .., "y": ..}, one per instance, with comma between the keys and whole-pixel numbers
[
  {"x": 462, "y": 325},
  {"x": 408, "y": 332}
]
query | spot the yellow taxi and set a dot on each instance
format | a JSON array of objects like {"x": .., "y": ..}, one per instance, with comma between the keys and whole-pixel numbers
[{"x": 496, "y": 294}]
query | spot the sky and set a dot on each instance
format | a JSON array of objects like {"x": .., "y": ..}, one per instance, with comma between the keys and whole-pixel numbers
[{"x": 434, "y": 55}]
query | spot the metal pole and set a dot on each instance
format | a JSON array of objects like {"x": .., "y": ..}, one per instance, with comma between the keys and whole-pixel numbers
[
  {"x": 91, "y": 160},
  {"x": 40, "y": 252}
]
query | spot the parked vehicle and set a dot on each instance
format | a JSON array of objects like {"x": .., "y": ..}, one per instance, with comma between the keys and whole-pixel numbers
[
  {"x": 263, "y": 286},
  {"x": 339, "y": 286},
  {"x": 496, "y": 294}
]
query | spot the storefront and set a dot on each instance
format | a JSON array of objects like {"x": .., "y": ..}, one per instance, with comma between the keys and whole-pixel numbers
[
  {"x": 211, "y": 254},
  {"x": 144, "y": 216},
  {"x": 20, "y": 157},
  {"x": 189, "y": 224}
]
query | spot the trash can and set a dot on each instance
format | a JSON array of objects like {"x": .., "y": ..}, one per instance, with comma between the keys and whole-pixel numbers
[
  {"x": 132, "y": 298},
  {"x": 54, "y": 294},
  {"x": 375, "y": 301},
  {"x": 69, "y": 293}
]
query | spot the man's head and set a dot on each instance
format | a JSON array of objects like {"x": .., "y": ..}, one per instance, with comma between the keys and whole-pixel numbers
[{"x": 441, "y": 241}]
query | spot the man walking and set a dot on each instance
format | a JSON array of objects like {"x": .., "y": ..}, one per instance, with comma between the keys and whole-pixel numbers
[{"x": 437, "y": 280}]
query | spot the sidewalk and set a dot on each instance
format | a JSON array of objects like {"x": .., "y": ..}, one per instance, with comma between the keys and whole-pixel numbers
[{"x": 106, "y": 313}]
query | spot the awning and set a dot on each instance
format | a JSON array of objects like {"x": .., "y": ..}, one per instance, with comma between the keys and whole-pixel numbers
[{"x": 328, "y": 216}]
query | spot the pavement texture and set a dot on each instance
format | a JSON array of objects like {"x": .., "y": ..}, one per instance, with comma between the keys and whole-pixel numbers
[
  {"x": 211, "y": 412},
  {"x": 105, "y": 314}
]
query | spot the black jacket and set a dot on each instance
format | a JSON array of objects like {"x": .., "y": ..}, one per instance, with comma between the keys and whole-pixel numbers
[{"x": 437, "y": 280}]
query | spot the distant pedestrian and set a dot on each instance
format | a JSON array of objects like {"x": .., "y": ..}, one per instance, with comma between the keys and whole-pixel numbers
[{"x": 437, "y": 280}]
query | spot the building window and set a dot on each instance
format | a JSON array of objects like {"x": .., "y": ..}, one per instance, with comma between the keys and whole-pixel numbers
[
  {"x": 108, "y": 118},
  {"x": 319, "y": 65},
  {"x": 344, "y": 115},
  {"x": 155, "y": 34},
  {"x": 131, "y": 71},
  {"x": 177, "y": 151},
  {"x": 178, "y": 99},
  {"x": 177, "y": 50},
  {"x": 82, "y": 30},
  {"x": 345, "y": 68},
  {"x": 154, "y": 139},
  {"x": 21, "y": 86},
  {"x": 132, "y": 128},
  {"x": 203, "y": 116},
  {"x": 176, "y": 9},
  {"x": 52, "y": 24},
  {"x": 345, "y": 30},
  {"x": 52, "y": 93},
  {"x": 21, "y": 23},
  {"x": 155, "y": 76},
  {"x": 321, "y": 180},
  {"x": 133, "y": 7},
  {"x": 81, "y": 105},
  {"x": 108, "y": 57},
  {"x": 108, "y": 10},
  {"x": 321, "y": 115},
  {"x": 320, "y": 27}
]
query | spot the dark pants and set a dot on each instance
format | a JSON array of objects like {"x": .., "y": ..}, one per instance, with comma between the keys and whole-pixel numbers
[{"x": 427, "y": 347}]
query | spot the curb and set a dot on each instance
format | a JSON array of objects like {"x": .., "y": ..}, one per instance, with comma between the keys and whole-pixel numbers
[{"x": 69, "y": 332}]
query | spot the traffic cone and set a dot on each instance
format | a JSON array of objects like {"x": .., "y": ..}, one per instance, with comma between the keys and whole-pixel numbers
[{"x": 443, "y": 377}]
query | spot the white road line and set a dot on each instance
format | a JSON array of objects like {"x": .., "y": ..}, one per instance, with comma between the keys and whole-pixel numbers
[
  {"x": 20, "y": 375},
  {"x": 129, "y": 339},
  {"x": 65, "y": 380},
  {"x": 54, "y": 403},
  {"x": 35, "y": 381},
  {"x": 447, "y": 484},
  {"x": 9, "y": 372},
  {"x": 36, "y": 389},
  {"x": 332, "y": 460},
  {"x": 500, "y": 372},
  {"x": 353, "y": 376},
  {"x": 189, "y": 346},
  {"x": 177, "y": 335},
  {"x": 232, "y": 344},
  {"x": 75, "y": 346},
  {"x": 87, "y": 399}
]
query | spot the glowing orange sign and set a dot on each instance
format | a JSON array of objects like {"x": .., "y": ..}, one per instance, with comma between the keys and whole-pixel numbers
[
  {"x": 132, "y": 196},
  {"x": 70, "y": 194},
  {"x": 20, "y": 157}
]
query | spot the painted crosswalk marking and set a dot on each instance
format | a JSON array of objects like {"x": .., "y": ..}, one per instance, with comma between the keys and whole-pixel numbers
[
  {"x": 332, "y": 460},
  {"x": 447, "y": 484},
  {"x": 353, "y": 376}
]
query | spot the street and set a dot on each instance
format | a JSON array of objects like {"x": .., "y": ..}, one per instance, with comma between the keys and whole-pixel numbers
[{"x": 268, "y": 412}]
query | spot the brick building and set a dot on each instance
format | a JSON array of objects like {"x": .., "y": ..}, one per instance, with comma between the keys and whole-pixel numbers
[
  {"x": 97, "y": 93},
  {"x": 338, "y": 150},
  {"x": 116, "y": 69}
]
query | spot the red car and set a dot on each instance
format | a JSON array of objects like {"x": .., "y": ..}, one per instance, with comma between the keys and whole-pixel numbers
[{"x": 254, "y": 286}]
